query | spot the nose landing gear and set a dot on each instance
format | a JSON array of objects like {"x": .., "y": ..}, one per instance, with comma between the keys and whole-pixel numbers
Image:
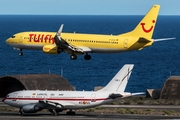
[
  {"x": 20, "y": 52},
  {"x": 73, "y": 57}
]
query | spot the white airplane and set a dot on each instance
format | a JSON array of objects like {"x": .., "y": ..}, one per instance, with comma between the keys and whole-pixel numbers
[{"x": 32, "y": 101}]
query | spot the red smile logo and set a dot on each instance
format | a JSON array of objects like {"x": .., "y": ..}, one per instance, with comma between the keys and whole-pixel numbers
[{"x": 149, "y": 30}]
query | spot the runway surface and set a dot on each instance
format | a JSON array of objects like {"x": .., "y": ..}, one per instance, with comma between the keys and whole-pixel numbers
[
  {"x": 173, "y": 107},
  {"x": 47, "y": 116},
  {"x": 95, "y": 116}
]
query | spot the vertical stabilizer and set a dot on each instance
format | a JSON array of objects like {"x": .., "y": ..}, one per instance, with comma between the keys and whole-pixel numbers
[
  {"x": 146, "y": 27},
  {"x": 120, "y": 80}
]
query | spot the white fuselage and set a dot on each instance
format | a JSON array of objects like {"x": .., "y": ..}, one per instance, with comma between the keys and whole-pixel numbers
[{"x": 68, "y": 99}]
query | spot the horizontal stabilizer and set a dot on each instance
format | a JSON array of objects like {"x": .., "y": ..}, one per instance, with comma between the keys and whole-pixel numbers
[
  {"x": 139, "y": 93},
  {"x": 114, "y": 96},
  {"x": 163, "y": 39},
  {"x": 143, "y": 40}
]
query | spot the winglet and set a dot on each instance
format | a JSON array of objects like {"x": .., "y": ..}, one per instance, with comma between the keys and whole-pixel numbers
[
  {"x": 57, "y": 37},
  {"x": 59, "y": 32}
]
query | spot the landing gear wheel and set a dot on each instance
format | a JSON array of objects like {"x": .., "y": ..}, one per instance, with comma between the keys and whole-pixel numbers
[
  {"x": 20, "y": 112},
  {"x": 20, "y": 53},
  {"x": 73, "y": 57},
  {"x": 70, "y": 112},
  {"x": 87, "y": 57},
  {"x": 53, "y": 112}
]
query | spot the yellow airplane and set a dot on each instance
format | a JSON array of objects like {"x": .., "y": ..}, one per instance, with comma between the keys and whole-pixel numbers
[{"x": 76, "y": 44}]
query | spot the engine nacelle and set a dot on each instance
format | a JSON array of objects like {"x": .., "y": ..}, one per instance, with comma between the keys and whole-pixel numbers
[
  {"x": 31, "y": 108},
  {"x": 51, "y": 49}
]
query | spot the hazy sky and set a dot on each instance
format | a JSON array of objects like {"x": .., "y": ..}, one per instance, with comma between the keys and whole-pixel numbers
[{"x": 87, "y": 7}]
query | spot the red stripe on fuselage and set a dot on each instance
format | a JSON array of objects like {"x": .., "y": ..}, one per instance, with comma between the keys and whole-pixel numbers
[{"x": 68, "y": 99}]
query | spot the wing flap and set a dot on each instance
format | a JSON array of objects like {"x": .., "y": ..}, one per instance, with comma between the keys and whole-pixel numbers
[
  {"x": 55, "y": 104},
  {"x": 75, "y": 49},
  {"x": 85, "y": 49}
]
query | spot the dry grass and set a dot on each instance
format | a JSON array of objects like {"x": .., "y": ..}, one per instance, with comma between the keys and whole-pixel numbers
[
  {"x": 130, "y": 111},
  {"x": 126, "y": 101},
  {"x": 145, "y": 101}
]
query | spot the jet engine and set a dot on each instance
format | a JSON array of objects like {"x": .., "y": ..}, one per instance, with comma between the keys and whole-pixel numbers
[
  {"x": 51, "y": 49},
  {"x": 31, "y": 108}
]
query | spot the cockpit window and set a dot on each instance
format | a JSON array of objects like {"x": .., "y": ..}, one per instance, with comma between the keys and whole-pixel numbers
[
  {"x": 13, "y": 36},
  {"x": 7, "y": 96}
]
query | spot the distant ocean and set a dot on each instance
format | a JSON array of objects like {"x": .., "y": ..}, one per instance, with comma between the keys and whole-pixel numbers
[{"x": 153, "y": 65}]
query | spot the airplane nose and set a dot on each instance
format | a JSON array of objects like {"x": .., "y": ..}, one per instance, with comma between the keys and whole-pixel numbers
[
  {"x": 3, "y": 99},
  {"x": 8, "y": 41}
]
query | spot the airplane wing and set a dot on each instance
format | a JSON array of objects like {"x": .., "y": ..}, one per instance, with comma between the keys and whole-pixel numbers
[
  {"x": 85, "y": 49},
  {"x": 79, "y": 49},
  {"x": 54, "y": 104},
  {"x": 62, "y": 44}
]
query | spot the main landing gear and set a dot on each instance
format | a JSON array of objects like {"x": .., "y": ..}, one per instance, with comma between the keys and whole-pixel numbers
[
  {"x": 20, "y": 112},
  {"x": 74, "y": 57},
  {"x": 54, "y": 112},
  {"x": 70, "y": 112},
  {"x": 87, "y": 57}
]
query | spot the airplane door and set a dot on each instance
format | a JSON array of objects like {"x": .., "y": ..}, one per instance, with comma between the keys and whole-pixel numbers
[
  {"x": 126, "y": 43},
  {"x": 45, "y": 97},
  {"x": 20, "y": 39},
  {"x": 93, "y": 97},
  {"x": 14, "y": 97}
]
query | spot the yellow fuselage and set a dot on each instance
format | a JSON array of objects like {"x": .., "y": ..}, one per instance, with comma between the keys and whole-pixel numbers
[
  {"x": 76, "y": 43},
  {"x": 97, "y": 43}
]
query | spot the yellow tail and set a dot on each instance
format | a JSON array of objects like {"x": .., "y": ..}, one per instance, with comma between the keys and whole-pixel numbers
[{"x": 146, "y": 27}]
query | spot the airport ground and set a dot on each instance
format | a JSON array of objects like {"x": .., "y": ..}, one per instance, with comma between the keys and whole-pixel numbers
[
  {"x": 112, "y": 112},
  {"x": 164, "y": 110},
  {"x": 132, "y": 105},
  {"x": 79, "y": 116}
]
